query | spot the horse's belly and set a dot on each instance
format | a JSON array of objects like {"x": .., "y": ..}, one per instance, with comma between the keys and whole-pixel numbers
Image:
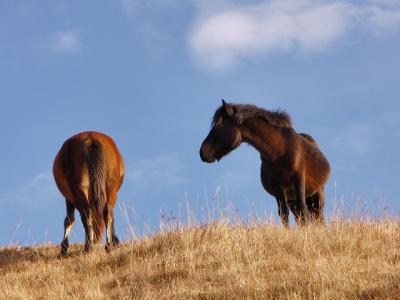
[
  {"x": 270, "y": 185},
  {"x": 291, "y": 195}
]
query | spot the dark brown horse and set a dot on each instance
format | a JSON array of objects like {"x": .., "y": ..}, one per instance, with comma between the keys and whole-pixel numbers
[
  {"x": 89, "y": 171},
  {"x": 293, "y": 169}
]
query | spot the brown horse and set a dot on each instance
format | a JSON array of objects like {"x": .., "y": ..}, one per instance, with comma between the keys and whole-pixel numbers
[
  {"x": 89, "y": 171},
  {"x": 293, "y": 169}
]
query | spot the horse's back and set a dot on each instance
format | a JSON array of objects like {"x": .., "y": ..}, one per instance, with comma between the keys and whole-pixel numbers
[{"x": 308, "y": 138}]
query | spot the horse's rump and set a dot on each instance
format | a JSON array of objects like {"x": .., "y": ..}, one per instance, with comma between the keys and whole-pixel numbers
[{"x": 81, "y": 170}]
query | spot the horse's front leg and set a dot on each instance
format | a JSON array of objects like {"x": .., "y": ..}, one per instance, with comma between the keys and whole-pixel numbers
[
  {"x": 295, "y": 210},
  {"x": 300, "y": 193},
  {"x": 283, "y": 209}
]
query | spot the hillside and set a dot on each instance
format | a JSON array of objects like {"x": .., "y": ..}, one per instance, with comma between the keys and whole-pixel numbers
[{"x": 353, "y": 260}]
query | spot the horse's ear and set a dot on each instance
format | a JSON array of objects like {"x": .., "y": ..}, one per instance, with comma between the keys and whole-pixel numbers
[{"x": 228, "y": 108}]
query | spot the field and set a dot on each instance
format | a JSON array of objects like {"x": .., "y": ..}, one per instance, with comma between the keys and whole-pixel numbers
[{"x": 341, "y": 260}]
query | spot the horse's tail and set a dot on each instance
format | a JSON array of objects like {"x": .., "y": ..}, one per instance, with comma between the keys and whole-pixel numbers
[{"x": 97, "y": 176}]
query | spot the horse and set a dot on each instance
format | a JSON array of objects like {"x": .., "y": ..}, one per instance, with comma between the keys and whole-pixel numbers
[
  {"x": 293, "y": 168},
  {"x": 89, "y": 171}
]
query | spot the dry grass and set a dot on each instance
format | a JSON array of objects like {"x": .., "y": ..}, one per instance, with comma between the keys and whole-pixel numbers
[{"x": 341, "y": 260}]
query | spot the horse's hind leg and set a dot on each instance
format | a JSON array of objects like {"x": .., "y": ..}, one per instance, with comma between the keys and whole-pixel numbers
[
  {"x": 68, "y": 223},
  {"x": 83, "y": 206},
  {"x": 312, "y": 205},
  {"x": 87, "y": 221},
  {"x": 319, "y": 202},
  {"x": 111, "y": 237},
  {"x": 315, "y": 205},
  {"x": 115, "y": 239}
]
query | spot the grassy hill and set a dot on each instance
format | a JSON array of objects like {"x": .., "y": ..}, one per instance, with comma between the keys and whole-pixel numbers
[{"x": 353, "y": 260}]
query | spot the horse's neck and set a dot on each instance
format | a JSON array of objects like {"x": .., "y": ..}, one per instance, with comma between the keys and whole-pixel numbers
[{"x": 268, "y": 140}]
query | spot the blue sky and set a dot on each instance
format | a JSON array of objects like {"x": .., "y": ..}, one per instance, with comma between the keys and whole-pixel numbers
[{"x": 151, "y": 74}]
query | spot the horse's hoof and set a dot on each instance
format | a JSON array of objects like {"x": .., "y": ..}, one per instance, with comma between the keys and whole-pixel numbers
[
  {"x": 115, "y": 240},
  {"x": 88, "y": 248},
  {"x": 63, "y": 254},
  {"x": 64, "y": 251}
]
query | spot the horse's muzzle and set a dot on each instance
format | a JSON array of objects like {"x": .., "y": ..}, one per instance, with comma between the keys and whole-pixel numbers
[{"x": 204, "y": 158}]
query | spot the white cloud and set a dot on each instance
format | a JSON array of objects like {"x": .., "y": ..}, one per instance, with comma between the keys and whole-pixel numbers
[
  {"x": 67, "y": 41},
  {"x": 158, "y": 172},
  {"x": 382, "y": 21},
  {"x": 221, "y": 38}
]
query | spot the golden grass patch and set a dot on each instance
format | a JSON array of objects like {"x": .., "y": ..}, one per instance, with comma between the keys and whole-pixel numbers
[{"x": 341, "y": 260}]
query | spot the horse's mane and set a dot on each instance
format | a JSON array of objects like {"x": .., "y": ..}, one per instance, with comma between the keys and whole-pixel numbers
[{"x": 242, "y": 112}]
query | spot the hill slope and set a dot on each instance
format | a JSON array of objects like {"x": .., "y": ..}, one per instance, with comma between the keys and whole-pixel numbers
[{"x": 339, "y": 260}]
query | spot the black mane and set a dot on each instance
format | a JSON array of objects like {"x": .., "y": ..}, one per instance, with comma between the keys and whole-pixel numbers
[{"x": 242, "y": 112}]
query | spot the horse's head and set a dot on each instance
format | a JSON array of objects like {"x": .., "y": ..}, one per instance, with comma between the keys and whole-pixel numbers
[{"x": 224, "y": 136}]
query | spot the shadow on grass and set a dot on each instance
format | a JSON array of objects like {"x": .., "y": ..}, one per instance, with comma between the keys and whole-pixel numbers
[{"x": 13, "y": 256}]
